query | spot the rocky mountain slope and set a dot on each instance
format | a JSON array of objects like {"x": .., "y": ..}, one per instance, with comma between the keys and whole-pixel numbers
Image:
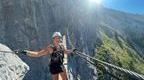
[
  {"x": 11, "y": 66},
  {"x": 29, "y": 24}
]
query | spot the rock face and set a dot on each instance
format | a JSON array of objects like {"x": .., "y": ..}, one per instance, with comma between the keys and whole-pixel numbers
[{"x": 11, "y": 66}]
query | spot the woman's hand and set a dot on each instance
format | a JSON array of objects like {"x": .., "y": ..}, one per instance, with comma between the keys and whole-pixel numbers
[{"x": 24, "y": 52}]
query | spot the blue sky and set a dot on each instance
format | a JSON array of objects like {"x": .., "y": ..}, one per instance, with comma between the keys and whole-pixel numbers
[{"x": 131, "y": 6}]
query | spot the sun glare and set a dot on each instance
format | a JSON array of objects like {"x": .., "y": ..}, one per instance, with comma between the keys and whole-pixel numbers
[{"x": 96, "y": 1}]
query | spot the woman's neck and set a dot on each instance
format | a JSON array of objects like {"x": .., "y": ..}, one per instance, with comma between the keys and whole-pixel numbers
[{"x": 56, "y": 44}]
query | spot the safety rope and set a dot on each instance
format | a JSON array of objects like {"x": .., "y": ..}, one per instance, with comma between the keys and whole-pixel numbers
[
  {"x": 131, "y": 73},
  {"x": 13, "y": 52},
  {"x": 7, "y": 51}
]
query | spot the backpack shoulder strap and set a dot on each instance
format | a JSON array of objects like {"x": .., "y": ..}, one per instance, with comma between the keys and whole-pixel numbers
[{"x": 62, "y": 47}]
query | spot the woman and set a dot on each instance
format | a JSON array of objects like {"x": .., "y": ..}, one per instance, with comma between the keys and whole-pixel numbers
[{"x": 56, "y": 51}]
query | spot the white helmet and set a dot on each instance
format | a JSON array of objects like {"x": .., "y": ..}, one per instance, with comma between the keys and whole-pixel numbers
[{"x": 57, "y": 34}]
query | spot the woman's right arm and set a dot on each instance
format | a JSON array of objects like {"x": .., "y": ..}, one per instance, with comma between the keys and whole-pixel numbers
[{"x": 40, "y": 53}]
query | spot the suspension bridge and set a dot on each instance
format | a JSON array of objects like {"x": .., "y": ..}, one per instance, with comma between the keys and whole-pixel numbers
[{"x": 96, "y": 62}]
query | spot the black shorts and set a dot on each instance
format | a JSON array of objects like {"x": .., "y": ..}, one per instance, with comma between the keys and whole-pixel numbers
[{"x": 56, "y": 68}]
